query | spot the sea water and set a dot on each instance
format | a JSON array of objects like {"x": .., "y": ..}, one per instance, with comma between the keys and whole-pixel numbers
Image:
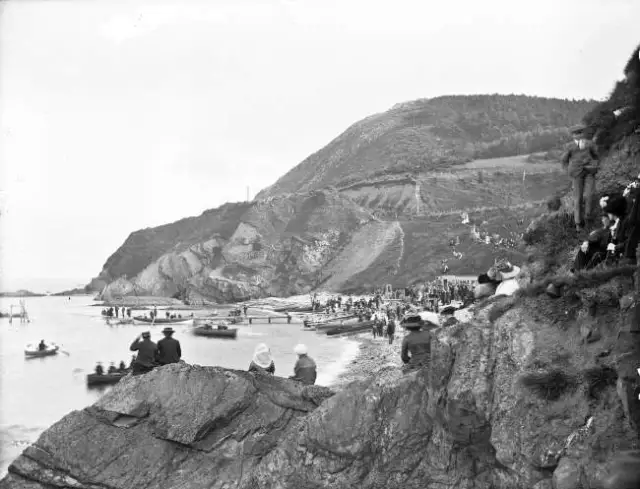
[{"x": 37, "y": 392}]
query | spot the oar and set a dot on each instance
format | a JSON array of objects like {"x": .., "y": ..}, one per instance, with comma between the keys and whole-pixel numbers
[{"x": 62, "y": 351}]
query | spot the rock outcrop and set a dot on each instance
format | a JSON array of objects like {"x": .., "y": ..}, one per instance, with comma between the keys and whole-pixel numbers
[{"x": 470, "y": 422}]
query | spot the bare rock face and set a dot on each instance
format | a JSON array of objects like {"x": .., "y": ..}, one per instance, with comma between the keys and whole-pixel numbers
[{"x": 180, "y": 426}]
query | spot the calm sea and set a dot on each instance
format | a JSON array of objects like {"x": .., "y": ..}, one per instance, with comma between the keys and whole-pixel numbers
[{"x": 35, "y": 393}]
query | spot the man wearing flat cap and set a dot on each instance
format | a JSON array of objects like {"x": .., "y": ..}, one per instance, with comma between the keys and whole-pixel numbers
[
  {"x": 581, "y": 163},
  {"x": 147, "y": 354}
]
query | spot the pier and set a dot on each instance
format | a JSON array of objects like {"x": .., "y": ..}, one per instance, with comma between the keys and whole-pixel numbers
[{"x": 263, "y": 319}]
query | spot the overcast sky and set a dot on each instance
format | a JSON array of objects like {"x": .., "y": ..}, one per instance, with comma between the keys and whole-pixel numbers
[{"x": 122, "y": 115}]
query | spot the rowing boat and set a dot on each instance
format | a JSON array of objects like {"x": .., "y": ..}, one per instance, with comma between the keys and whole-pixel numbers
[
  {"x": 106, "y": 379},
  {"x": 32, "y": 351},
  {"x": 215, "y": 332},
  {"x": 356, "y": 328},
  {"x": 146, "y": 320}
]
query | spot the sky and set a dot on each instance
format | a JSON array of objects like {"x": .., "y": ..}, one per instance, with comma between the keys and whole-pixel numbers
[{"x": 121, "y": 115}]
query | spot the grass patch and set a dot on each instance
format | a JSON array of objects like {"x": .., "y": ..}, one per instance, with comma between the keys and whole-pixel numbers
[
  {"x": 548, "y": 385},
  {"x": 580, "y": 280}
]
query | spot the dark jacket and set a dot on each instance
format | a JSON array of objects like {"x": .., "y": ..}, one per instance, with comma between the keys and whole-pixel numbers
[
  {"x": 580, "y": 161},
  {"x": 271, "y": 369},
  {"x": 416, "y": 348},
  {"x": 484, "y": 279},
  {"x": 169, "y": 351},
  {"x": 305, "y": 370},
  {"x": 147, "y": 352},
  {"x": 632, "y": 229}
]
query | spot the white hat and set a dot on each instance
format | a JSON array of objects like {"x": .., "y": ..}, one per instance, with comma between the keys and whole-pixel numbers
[
  {"x": 300, "y": 349},
  {"x": 262, "y": 356},
  {"x": 430, "y": 317}
]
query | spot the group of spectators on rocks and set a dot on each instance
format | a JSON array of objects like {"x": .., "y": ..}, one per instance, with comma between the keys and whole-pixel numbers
[
  {"x": 304, "y": 371},
  {"x": 616, "y": 241}
]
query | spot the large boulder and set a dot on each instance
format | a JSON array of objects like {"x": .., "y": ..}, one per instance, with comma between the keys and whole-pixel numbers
[{"x": 179, "y": 426}]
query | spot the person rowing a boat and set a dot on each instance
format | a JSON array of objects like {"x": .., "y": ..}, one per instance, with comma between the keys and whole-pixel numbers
[
  {"x": 112, "y": 368},
  {"x": 168, "y": 348},
  {"x": 147, "y": 354},
  {"x": 42, "y": 346},
  {"x": 122, "y": 367}
]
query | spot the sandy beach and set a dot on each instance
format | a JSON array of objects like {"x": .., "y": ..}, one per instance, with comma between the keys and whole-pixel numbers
[{"x": 374, "y": 358}]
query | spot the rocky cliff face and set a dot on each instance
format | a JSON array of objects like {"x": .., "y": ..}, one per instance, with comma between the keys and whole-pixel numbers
[
  {"x": 357, "y": 236},
  {"x": 471, "y": 421},
  {"x": 315, "y": 227}
]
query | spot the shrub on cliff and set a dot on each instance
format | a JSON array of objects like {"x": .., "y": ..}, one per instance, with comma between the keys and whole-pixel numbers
[
  {"x": 549, "y": 385},
  {"x": 598, "y": 379}
]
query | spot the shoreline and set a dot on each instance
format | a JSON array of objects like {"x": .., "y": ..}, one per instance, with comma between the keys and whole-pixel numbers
[{"x": 374, "y": 357}]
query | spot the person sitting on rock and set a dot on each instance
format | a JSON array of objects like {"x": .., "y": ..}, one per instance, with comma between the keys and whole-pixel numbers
[
  {"x": 122, "y": 367},
  {"x": 147, "y": 354},
  {"x": 616, "y": 208},
  {"x": 416, "y": 346},
  {"x": 262, "y": 360},
  {"x": 489, "y": 282},
  {"x": 112, "y": 368},
  {"x": 99, "y": 370},
  {"x": 168, "y": 348},
  {"x": 594, "y": 249},
  {"x": 305, "y": 369}
]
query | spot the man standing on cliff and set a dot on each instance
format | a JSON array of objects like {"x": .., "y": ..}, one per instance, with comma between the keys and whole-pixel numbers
[
  {"x": 168, "y": 348},
  {"x": 581, "y": 163},
  {"x": 147, "y": 354}
]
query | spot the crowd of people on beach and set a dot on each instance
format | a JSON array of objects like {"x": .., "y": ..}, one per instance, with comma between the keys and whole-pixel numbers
[{"x": 115, "y": 311}]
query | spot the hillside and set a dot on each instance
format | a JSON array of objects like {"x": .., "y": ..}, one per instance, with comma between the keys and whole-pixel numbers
[
  {"x": 434, "y": 134},
  {"x": 375, "y": 223}
]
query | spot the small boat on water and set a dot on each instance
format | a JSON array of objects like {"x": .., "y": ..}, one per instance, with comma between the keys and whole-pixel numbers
[
  {"x": 32, "y": 351},
  {"x": 147, "y": 320},
  {"x": 106, "y": 379},
  {"x": 114, "y": 322},
  {"x": 215, "y": 331}
]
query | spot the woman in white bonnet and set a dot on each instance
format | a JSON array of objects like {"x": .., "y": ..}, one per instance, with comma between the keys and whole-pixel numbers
[{"x": 262, "y": 360}]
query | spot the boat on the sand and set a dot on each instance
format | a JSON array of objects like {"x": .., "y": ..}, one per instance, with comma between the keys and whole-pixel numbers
[
  {"x": 33, "y": 351},
  {"x": 348, "y": 329},
  {"x": 215, "y": 331},
  {"x": 147, "y": 320},
  {"x": 106, "y": 379}
]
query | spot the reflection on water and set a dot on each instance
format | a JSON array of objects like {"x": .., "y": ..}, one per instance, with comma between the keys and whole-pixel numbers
[{"x": 36, "y": 393}]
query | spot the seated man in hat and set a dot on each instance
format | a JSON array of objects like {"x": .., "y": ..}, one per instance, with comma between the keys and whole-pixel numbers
[
  {"x": 168, "y": 348},
  {"x": 593, "y": 250},
  {"x": 581, "y": 163},
  {"x": 147, "y": 353},
  {"x": 416, "y": 346}
]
